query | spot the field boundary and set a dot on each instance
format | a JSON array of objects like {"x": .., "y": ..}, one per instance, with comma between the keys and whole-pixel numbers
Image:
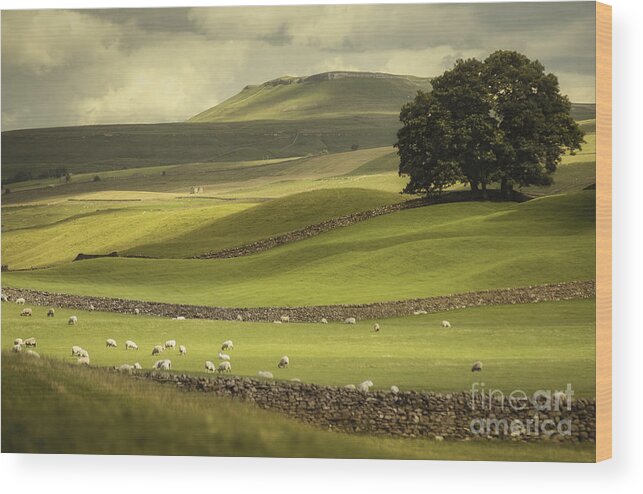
[{"x": 504, "y": 296}]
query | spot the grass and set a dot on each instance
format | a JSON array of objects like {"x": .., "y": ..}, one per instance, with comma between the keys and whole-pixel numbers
[
  {"x": 449, "y": 248},
  {"x": 50, "y": 407},
  {"x": 528, "y": 347}
]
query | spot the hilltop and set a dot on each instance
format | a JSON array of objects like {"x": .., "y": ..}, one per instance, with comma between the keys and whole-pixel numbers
[{"x": 325, "y": 95}]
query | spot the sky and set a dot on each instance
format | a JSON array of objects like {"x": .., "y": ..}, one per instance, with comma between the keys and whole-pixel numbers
[{"x": 80, "y": 67}]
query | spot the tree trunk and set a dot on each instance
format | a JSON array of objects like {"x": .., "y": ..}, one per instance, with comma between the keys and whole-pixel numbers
[
  {"x": 506, "y": 188},
  {"x": 474, "y": 186},
  {"x": 484, "y": 190}
]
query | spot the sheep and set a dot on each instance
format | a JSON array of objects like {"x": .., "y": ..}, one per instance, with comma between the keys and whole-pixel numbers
[
  {"x": 76, "y": 351},
  {"x": 350, "y": 387},
  {"x": 183, "y": 350},
  {"x": 296, "y": 380},
  {"x": 26, "y": 312},
  {"x": 365, "y": 386},
  {"x": 110, "y": 343},
  {"x": 91, "y": 307},
  {"x": 324, "y": 320},
  {"x": 73, "y": 320},
  {"x": 125, "y": 368},
  {"x": 224, "y": 367},
  {"x": 51, "y": 313},
  {"x": 164, "y": 364},
  {"x": 209, "y": 366},
  {"x": 394, "y": 389},
  {"x": 157, "y": 349},
  {"x": 477, "y": 366},
  {"x": 84, "y": 353},
  {"x": 419, "y": 312},
  {"x": 239, "y": 317},
  {"x": 376, "y": 327},
  {"x": 283, "y": 362},
  {"x": 137, "y": 312},
  {"x": 350, "y": 320},
  {"x": 32, "y": 353},
  {"x": 83, "y": 360},
  {"x": 266, "y": 374},
  {"x": 170, "y": 343},
  {"x": 446, "y": 324},
  {"x": 276, "y": 322},
  {"x": 560, "y": 399},
  {"x": 130, "y": 345},
  {"x": 18, "y": 341},
  {"x": 179, "y": 318},
  {"x": 4, "y": 298},
  {"x": 16, "y": 348},
  {"x": 137, "y": 366},
  {"x": 285, "y": 318},
  {"x": 227, "y": 345},
  {"x": 20, "y": 301},
  {"x": 223, "y": 356},
  {"x": 30, "y": 342}
]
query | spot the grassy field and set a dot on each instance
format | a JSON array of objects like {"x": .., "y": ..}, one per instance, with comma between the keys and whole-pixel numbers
[
  {"x": 50, "y": 407},
  {"x": 529, "y": 347},
  {"x": 436, "y": 250}
]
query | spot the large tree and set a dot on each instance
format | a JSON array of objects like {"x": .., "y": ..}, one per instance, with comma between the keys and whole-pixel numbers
[{"x": 502, "y": 120}]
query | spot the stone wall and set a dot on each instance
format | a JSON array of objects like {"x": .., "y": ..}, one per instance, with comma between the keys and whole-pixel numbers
[
  {"x": 521, "y": 295},
  {"x": 406, "y": 414}
]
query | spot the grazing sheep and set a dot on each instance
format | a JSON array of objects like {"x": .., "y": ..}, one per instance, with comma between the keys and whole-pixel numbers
[
  {"x": 446, "y": 324},
  {"x": 376, "y": 327},
  {"x": 164, "y": 364},
  {"x": 350, "y": 386},
  {"x": 285, "y": 318},
  {"x": 560, "y": 399},
  {"x": 110, "y": 343},
  {"x": 83, "y": 360},
  {"x": 51, "y": 313},
  {"x": 324, "y": 320},
  {"x": 296, "y": 380},
  {"x": 239, "y": 317},
  {"x": 137, "y": 366},
  {"x": 157, "y": 349},
  {"x": 73, "y": 320},
  {"x": 394, "y": 389},
  {"x": 18, "y": 341},
  {"x": 91, "y": 307},
  {"x": 365, "y": 386},
  {"x": 183, "y": 350},
  {"x": 4, "y": 298},
  {"x": 266, "y": 374},
  {"x": 350, "y": 320},
  {"x": 179, "y": 318},
  {"x": 76, "y": 351},
  {"x": 224, "y": 356},
  {"x": 419, "y": 312},
  {"x": 227, "y": 345},
  {"x": 20, "y": 301},
  {"x": 170, "y": 343},
  {"x": 30, "y": 342},
  {"x": 84, "y": 353},
  {"x": 26, "y": 312},
  {"x": 283, "y": 362},
  {"x": 477, "y": 367},
  {"x": 137, "y": 311},
  {"x": 125, "y": 368},
  {"x": 209, "y": 366},
  {"x": 16, "y": 348},
  {"x": 130, "y": 345},
  {"x": 32, "y": 353},
  {"x": 276, "y": 322},
  {"x": 224, "y": 367}
]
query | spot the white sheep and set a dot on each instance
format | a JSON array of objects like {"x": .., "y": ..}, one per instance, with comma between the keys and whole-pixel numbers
[
  {"x": 20, "y": 301},
  {"x": 476, "y": 367},
  {"x": 285, "y": 318},
  {"x": 30, "y": 342},
  {"x": 350, "y": 320},
  {"x": 76, "y": 351},
  {"x": 26, "y": 312},
  {"x": 227, "y": 345},
  {"x": 170, "y": 343},
  {"x": 18, "y": 341},
  {"x": 276, "y": 322},
  {"x": 157, "y": 349},
  {"x": 137, "y": 311},
  {"x": 209, "y": 366},
  {"x": 125, "y": 368},
  {"x": 419, "y": 312},
  {"x": 224, "y": 367},
  {"x": 365, "y": 386},
  {"x": 239, "y": 317},
  {"x": 223, "y": 356},
  {"x": 32, "y": 353},
  {"x": 164, "y": 364},
  {"x": 350, "y": 386},
  {"x": 73, "y": 320},
  {"x": 183, "y": 350},
  {"x": 83, "y": 360},
  {"x": 16, "y": 348},
  {"x": 560, "y": 399},
  {"x": 91, "y": 307},
  {"x": 376, "y": 327},
  {"x": 266, "y": 374},
  {"x": 283, "y": 362},
  {"x": 296, "y": 380},
  {"x": 324, "y": 320},
  {"x": 110, "y": 343},
  {"x": 84, "y": 353},
  {"x": 446, "y": 324},
  {"x": 51, "y": 313},
  {"x": 179, "y": 318},
  {"x": 137, "y": 366},
  {"x": 394, "y": 389},
  {"x": 4, "y": 298},
  {"x": 130, "y": 345}
]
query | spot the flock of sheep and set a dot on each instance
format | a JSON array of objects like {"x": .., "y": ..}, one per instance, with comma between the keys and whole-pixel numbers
[{"x": 224, "y": 365}]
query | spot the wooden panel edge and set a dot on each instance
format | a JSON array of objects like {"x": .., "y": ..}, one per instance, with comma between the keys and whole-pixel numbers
[{"x": 603, "y": 231}]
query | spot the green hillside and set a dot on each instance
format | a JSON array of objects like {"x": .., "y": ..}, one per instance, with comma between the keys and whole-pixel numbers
[{"x": 327, "y": 95}]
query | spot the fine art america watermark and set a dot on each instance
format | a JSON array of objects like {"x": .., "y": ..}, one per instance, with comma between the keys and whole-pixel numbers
[{"x": 549, "y": 403}]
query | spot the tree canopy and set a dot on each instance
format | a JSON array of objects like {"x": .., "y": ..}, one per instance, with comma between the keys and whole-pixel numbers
[{"x": 502, "y": 120}]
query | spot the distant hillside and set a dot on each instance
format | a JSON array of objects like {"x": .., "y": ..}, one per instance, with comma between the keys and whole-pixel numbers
[
  {"x": 584, "y": 111},
  {"x": 327, "y": 95}
]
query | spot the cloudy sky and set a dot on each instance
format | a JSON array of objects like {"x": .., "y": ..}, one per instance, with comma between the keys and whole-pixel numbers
[{"x": 75, "y": 67}]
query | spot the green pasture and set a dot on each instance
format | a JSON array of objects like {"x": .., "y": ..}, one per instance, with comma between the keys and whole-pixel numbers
[{"x": 528, "y": 347}]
